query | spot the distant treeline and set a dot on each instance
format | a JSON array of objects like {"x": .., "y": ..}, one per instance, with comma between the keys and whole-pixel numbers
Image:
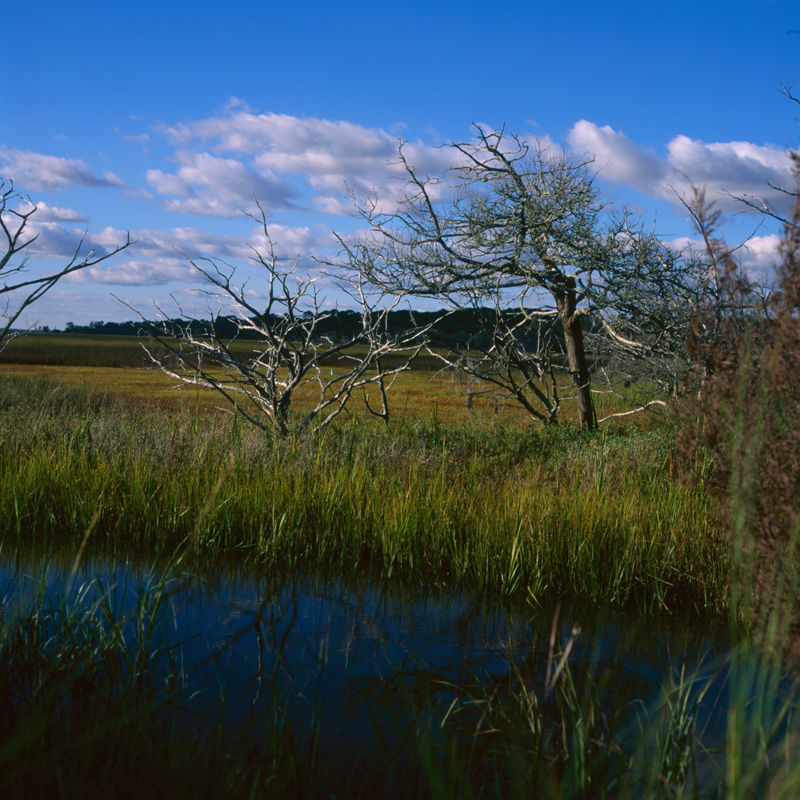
[{"x": 461, "y": 328}]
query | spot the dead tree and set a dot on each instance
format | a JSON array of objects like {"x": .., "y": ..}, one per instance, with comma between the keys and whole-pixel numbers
[
  {"x": 526, "y": 243},
  {"x": 277, "y": 348},
  {"x": 20, "y": 291}
]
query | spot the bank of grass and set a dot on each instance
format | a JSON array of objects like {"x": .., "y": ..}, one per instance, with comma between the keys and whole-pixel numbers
[
  {"x": 92, "y": 701},
  {"x": 506, "y": 509}
]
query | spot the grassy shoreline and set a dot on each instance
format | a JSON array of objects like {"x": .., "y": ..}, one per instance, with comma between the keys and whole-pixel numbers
[
  {"x": 494, "y": 508},
  {"x": 503, "y": 509}
]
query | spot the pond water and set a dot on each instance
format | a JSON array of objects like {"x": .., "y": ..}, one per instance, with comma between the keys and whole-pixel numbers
[{"x": 362, "y": 663}]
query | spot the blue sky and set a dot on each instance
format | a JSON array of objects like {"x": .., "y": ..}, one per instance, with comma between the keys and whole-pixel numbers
[{"x": 164, "y": 119}]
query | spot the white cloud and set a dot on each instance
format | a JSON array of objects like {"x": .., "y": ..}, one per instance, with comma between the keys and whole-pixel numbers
[
  {"x": 762, "y": 251},
  {"x": 323, "y": 156},
  {"x": 758, "y": 255},
  {"x": 165, "y": 183},
  {"x": 740, "y": 163},
  {"x": 725, "y": 169},
  {"x": 164, "y": 249},
  {"x": 288, "y": 242},
  {"x": 135, "y": 272},
  {"x": 42, "y": 173},
  {"x": 222, "y": 187},
  {"x": 136, "y": 138},
  {"x": 617, "y": 158},
  {"x": 47, "y": 213},
  {"x": 55, "y": 241}
]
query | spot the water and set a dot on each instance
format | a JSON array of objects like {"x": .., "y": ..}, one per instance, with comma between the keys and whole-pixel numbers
[{"x": 367, "y": 667}]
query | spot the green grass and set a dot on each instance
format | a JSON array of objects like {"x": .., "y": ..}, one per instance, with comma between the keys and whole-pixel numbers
[
  {"x": 490, "y": 506},
  {"x": 506, "y": 510}
]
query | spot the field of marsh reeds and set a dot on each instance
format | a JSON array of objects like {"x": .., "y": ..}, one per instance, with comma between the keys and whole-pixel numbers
[
  {"x": 507, "y": 509},
  {"x": 121, "y": 508}
]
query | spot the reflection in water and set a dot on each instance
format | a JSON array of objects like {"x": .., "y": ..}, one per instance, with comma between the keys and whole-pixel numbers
[{"x": 361, "y": 664}]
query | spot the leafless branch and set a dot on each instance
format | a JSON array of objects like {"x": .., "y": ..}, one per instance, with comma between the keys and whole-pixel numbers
[
  {"x": 289, "y": 352},
  {"x": 15, "y": 240},
  {"x": 527, "y": 227}
]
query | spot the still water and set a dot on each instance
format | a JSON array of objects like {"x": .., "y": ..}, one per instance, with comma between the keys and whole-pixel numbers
[{"x": 364, "y": 663}]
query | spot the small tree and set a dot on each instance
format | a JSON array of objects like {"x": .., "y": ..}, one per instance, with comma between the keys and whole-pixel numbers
[
  {"x": 20, "y": 292},
  {"x": 262, "y": 348},
  {"x": 527, "y": 242}
]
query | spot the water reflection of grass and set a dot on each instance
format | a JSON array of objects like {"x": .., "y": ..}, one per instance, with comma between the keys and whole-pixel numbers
[
  {"x": 94, "y": 695},
  {"x": 98, "y": 699}
]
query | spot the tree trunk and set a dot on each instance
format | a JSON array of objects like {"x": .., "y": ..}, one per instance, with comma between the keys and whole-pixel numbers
[{"x": 576, "y": 355}]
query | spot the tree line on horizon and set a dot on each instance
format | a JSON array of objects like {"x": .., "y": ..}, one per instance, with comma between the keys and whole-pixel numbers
[{"x": 459, "y": 328}]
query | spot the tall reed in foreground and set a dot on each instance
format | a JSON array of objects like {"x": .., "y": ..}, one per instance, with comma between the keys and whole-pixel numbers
[{"x": 745, "y": 424}]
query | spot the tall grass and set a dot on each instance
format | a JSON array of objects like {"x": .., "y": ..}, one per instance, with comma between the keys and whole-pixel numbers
[
  {"x": 505, "y": 510},
  {"x": 509, "y": 511}
]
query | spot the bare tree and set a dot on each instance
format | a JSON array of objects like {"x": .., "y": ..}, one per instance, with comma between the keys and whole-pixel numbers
[
  {"x": 19, "y": 291},
  {"x": 642, "y": 307},
  {"x": 527, "y": 243},
  {"x": 265, "y": 345}
]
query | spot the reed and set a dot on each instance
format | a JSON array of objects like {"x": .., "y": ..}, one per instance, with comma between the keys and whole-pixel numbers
[
  {"x": 505, "y": 510},
  {"x": 499, "y": 509}
]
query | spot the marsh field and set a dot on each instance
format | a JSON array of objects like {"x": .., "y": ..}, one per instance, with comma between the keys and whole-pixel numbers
[{"x": 457, "y": 603}]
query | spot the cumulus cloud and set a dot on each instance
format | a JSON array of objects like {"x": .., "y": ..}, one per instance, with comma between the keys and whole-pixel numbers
[
  {"x": 759, "y": 255},
  {"x": 207, "y": 185},
  {"x": 135, "y": 272},
  {"x": 156, "y": 257},
  {"x": 55, "y": 240},
  {"x": 617, "y": 158},
  {"x": 288, "y": 242},
  {"x": 324, "y": 156},
  {"x": 48, "y": 213},
  {"x": 763, "y": 251},
  {"x": 42, "y": 173},
  {"x": 725, "y": 169}
]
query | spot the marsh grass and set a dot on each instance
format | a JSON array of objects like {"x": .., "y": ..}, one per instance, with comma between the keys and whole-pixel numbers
[
  {"x": 504, "y": 510},
  {"x": 115, "y": 365},
  {"x": 93, "y": 693},
  {"x": 71, "y": 349}
]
